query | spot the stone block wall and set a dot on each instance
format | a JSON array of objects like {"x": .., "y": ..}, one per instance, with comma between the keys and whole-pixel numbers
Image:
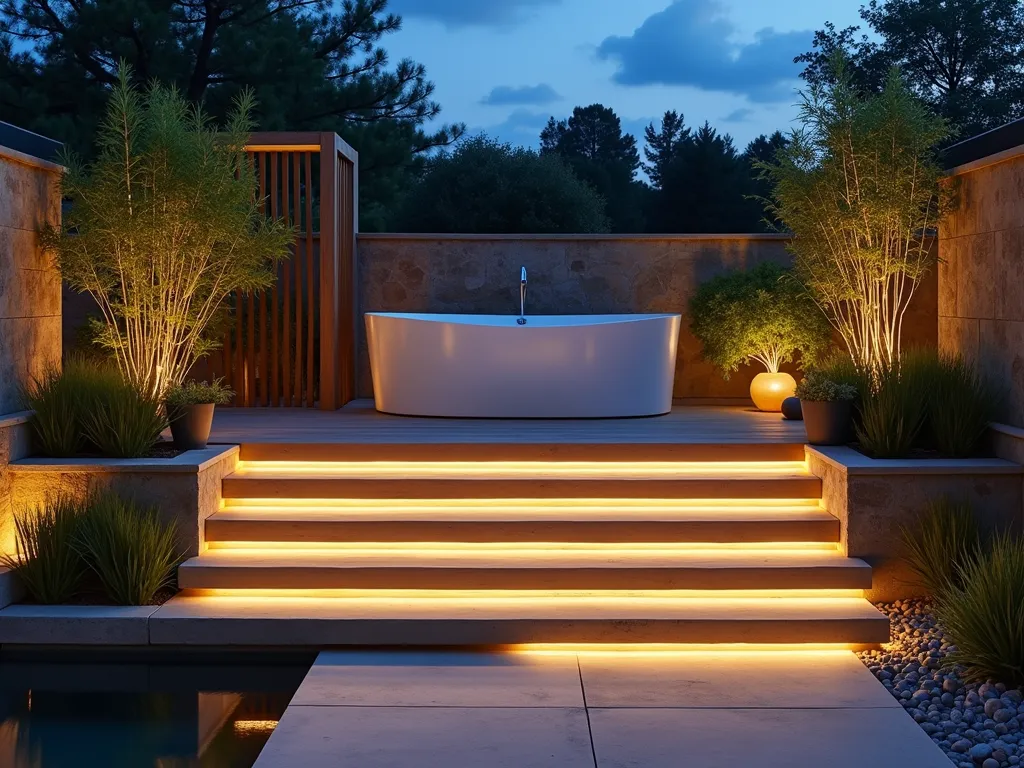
[
  {"x": 30, "y": 288},
  {"x": 581, "y": 274},
  {"x": 185, "y": 489},
  {"x": 981, "y": 274},
  {"x": 876, "y": 499}
]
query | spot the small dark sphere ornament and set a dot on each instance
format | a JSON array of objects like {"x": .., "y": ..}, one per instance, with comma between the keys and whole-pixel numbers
[
  {"x": 521, "y": 320},
  {"x": 791, "y": 409}
]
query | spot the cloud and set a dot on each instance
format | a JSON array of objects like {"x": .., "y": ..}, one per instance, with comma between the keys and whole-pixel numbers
[
  {"x": 504, "y": 95},
  {"x": 463, "y": 13},
  {"x": 522, "y": 128},
  {"x": 740, "y": 115},
  {"x": 692, "y": 43}
]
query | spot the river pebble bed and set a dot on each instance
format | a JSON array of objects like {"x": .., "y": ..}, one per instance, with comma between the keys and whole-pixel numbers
[{"x": 975, "y": 724}]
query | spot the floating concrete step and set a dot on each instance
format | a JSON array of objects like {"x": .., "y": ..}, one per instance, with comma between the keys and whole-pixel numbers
[
  {"x": 524, "y": 451},
  {"x": 313, "y": 485},
  {"x": 535, "y": 523},
  {"x": 616, "y": 568},
  {"x": 489, "y": 620}
]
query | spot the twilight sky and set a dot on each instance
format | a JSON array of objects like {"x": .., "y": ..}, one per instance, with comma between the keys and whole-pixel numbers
[{"x": 505, "y": 66}]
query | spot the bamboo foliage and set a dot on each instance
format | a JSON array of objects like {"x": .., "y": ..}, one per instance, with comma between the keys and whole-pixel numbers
[
  {"x": 859, "y": 187},
  {"x": 162, "y": 227}
]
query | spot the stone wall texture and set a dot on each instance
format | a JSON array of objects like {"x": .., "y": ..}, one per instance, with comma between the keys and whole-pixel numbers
[
  {"x": 981, "y": 276},
  {"x": 30, "y": 288},
  {"x": 875, "y": 506},
  {"x": 578, "y": 274},
  {"x": 185, "y": 490},
  {"x": 15, "y": 444}
]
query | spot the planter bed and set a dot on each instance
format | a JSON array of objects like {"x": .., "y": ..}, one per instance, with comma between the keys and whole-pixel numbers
[
  {"x": 185, "y": 489},
  {"x": 875, "y": 498}
]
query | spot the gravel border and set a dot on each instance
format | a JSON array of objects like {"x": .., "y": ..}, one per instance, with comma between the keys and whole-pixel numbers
[{"x": 977, "y": 724}]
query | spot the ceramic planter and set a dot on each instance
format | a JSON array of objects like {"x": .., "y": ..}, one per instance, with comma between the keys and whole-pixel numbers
[
  {"x": 768, "y": 390},
  {"x": 827, "y": 423},
  {"x": 190, "y": 426}
]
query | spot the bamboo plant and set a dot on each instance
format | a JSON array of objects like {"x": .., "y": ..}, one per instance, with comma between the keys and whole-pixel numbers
[
  {"x": 163, "y": 226},
  {"x": 859, "y": 187}
]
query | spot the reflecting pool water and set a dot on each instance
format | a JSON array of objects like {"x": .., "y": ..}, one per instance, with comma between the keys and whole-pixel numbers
[{"x": 208, "y": 713}]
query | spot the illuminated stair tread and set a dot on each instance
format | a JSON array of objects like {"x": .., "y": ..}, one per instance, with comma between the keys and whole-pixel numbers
[
  {"x": 308, "y": 568},
  {"x": 524, "y": 524},
  {"x": 375, "y": 620},
  {"x": 694, "y": 486},
  {"x": 600, "y": 447}
]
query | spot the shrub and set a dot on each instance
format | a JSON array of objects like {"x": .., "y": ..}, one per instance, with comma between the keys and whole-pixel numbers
[
  {"x": 164, "y": 225},
  {"x": 123, "y": 422},
  {"x": 891, "y": 416},
  {"x": 61, "y": 398},
  {"x": 130, "y": 550},
  {"x": 984, "y": 615},
  {"x": 839, "y": 367},
  {"x": 944, "y": 541},
  {"x": 198, "y": 393},
  {"x": 961, "y": 404},
  {"x": 763, "y": 314},
  {"x": 46, "y": 560},
  {"x": 816, "y": 387}
]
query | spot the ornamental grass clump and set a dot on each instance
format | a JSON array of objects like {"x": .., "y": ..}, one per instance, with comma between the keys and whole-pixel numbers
[
  {"x": 46, "y": 561},
  {"x": 961, "y": 403},
  {"x": 984, "y": 615},
  {"x": 763, "y": 315},
  {"x": 856, "y": 185},
  {"x": 163, "y": 226},
  {"x": 133, "y": 554},
  {"x": 124, "y": 422},
  {"x": 942, "y": 543},
  {"x": 892, "y": 415},
  {"x": 61, "y": 398}
]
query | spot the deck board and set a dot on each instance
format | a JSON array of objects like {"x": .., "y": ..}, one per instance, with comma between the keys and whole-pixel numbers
[{"x": 359, "y": 423}]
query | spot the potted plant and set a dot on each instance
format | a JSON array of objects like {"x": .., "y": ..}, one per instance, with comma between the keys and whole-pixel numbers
[
  {"x": 827, "y": 408},
  {"x": 190, "y": 411},
  {"x": 763, "y": 315}
]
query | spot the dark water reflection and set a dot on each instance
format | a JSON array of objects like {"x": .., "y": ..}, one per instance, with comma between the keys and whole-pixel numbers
[{"x": 202, "y": 714}]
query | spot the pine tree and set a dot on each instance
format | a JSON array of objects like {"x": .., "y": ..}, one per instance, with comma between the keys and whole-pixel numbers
[{"x": 662, "y": 145}]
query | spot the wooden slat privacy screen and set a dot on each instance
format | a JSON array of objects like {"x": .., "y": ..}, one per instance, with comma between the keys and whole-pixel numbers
[{"x": 293, "y": 345}]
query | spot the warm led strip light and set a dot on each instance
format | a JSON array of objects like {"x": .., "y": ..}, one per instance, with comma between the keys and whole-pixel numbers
[
  {"x": 805, "y": 597},
  {"x": 331, "y": 504},
  {"x": 467, "y": 552},
  {"x": 419, "y": 547},
  {"x": 643, "y": 650},
  {"x": 532, "y": 469}
]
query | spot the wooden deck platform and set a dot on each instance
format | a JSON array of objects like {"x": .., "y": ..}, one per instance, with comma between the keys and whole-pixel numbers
[{"x": 359, "y": 432}]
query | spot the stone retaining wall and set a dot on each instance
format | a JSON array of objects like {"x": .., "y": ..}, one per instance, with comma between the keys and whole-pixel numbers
[
  {"x": 584, "y": 274},
  {"x": 875, "y": 499},
  {"x": 981, "y": 293},
  {"x": 185, "y": 489},
  {"x": 30, "y": 288}
]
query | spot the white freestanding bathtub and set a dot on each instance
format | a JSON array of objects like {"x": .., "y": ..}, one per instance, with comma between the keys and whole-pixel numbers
[{"x": 489, "y": 366}]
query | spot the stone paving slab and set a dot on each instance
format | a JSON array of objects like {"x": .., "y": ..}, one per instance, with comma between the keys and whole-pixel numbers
[
  {"x": 418, "y": 737},
  {"x": 767, "y": 738},
  {"x": 699, "y": 709},
  {"x": 756, "y": 680},
  {"x": 434, "y": 679},
  {"x": 75, "y": 624}
]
